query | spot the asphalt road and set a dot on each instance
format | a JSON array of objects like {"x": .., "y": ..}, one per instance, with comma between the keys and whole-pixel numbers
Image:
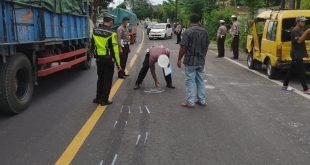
[{"x": 248, "y": 120}]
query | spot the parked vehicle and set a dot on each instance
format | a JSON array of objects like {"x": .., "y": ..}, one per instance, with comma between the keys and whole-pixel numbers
[
  {"x": 120, "y": 14},
  {"x": 150, "y": 26},
  {"x": 161, "y": 30},
  {"x": 39, "y": 38},
  {"x": 269, "y": 40}
]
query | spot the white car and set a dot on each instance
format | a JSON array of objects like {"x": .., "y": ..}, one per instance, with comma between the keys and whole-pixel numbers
[{"x": 161, "y": 30}]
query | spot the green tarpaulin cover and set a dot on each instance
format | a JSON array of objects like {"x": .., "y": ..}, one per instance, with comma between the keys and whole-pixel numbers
[
  {"x": 59, "y": 6},
  {"x": 121, "y": 13}
]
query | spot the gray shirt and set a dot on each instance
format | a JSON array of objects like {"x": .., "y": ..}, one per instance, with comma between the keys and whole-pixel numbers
[
  {"x": 299, "y": 50},
  {"x": 196, "y": 41}
]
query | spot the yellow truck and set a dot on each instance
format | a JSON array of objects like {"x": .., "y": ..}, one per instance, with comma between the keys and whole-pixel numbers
[{"x": 269, "y": 40}]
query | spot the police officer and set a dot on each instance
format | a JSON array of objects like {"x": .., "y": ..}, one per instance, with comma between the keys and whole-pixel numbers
[
  {"x": 178, "y": 31},
  {"x": 123, "y": 43},
  {"x": 106, "y": 51},
  {"x": 221, "y": 36},
  {"x": 234, "y": 31},
  {"x": 298, "y": 52}
]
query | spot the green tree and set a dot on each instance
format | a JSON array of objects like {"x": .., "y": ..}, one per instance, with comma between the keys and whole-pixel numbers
[{"x": 123, "y": 5}]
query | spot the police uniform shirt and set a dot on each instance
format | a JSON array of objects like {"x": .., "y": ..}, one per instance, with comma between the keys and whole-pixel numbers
[
  {"x": 235, "y": 29},
  {"x": 221, "y": 32}
]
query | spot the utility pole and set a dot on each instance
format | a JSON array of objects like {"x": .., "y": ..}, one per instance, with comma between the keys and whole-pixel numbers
[
  {"x": 282, "y": 4},
  {"x": 176, "y": 8},
  {"x": 292, "y": 4},
  {"x": 235, "y": 4},
  {"x": 298, "y": 4}
]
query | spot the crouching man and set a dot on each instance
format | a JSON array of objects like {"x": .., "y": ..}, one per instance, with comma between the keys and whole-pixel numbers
[{"x": 150, "y": 60}]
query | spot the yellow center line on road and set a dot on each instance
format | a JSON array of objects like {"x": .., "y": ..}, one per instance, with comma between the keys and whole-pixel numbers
[{"x": 79, "y": 139}]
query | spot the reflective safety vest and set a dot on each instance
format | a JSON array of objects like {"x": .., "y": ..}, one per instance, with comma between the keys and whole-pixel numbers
[{"x": 105, "y": 43}]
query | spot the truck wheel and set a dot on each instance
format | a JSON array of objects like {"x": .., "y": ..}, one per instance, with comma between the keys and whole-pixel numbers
[
  {"x": 86, "y": 64},
  {"x": 16, "y": 84},
  {"x": 271, "y": 71},
  {"x": 250, "y": 61}
]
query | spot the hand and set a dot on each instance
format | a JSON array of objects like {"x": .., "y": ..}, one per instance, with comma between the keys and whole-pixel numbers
[
  {"x": 157, "y": 83},
  {"x": 179, "y": 64}
]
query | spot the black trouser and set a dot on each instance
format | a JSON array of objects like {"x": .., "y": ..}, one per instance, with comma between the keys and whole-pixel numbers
[
  {"x": 179, "y": 37},
  {"x": 105, "y": 71},
  {"x": 221, "y": 46},
  {"x": 123, "y": 59},
  {"x": 235, "y": 46},
  {"x": 145, "y": 69},
  {"x": 298, "y": 67}
]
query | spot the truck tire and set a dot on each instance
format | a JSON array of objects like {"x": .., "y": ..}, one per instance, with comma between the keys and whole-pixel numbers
[
  {"x": 86, "y": 64},
  {"x": 250, "y": 61},
  {"x": 271, "y": 71},
  {"x": 16, "y": 84}
]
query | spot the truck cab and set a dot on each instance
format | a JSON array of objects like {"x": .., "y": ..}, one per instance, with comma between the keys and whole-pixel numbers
[{"x": 269, "y": 40}]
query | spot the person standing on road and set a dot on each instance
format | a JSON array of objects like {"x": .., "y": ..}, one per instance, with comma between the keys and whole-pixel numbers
[
  {"x": 234, "y": 31},
  {"x": 298, "y": 52},
  {"x": 221, "y": 36},
  {"x": 105, "y": 48},
  {"x": 178, "y": 32},
  {"x": 123, "y": 42},
  {"x": 194, "y": 46},
  {"x": 150, "y": 59}
]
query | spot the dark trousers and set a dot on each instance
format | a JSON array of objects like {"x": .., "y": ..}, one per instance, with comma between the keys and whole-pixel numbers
[
  {"x": 145, "y": 69},
  {"x": 235, "y": 46},
  {"x": 179, "y": 37},
  {"x": 221, "y": 46},
  {"x": 105, "y": 71},
  {"x": 298, "y": 67},
  {"x": 123, "y": 59}
]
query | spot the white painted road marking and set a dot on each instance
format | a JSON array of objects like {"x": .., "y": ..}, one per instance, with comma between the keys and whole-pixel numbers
[
  {"x": 122, "y": 108},
  {"x": 146, "y": 136},
  {"x": 129, "y": 110},
  {"x": 140, "y": 109},
  {"x": 264, "y": 76},
  {"x": 148, "y": 111},
  {"x": 138, "y": 139},
  {"x": 115, "y": 124},
  {"x": 101, "y": 162},
  {"x": 114, "y": 160}
]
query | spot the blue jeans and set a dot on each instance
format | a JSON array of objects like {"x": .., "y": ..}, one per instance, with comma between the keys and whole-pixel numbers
[{"x": 194, "y": 78}]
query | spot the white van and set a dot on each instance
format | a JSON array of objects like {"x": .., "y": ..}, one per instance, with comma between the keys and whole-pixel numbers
[{"x": 161, "y": 30}]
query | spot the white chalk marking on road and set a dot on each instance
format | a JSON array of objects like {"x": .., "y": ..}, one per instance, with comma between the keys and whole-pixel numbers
[
  {"x": 146, "y": 136},
  {"x": 264, "y": 76},
  {"x": 140, "y": 109},
  {"x": 129, "y": 110},
  {"x": 138, "y": 139},
  {"x": 114, "y": 160},
  {"x": 101, "y": 162},
  {"x": 115, "y": 124},
  {"x": 126, "y": 122},
  {"x": 122, "y": 108},
  {"x": 209, "y": 87},
  {"x": 148, "y": 111}
]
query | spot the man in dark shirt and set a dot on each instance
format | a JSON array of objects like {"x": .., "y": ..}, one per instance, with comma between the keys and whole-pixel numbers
[
  {"x": 194, "y": 46},
  {"x": 298, "y": 52}
]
